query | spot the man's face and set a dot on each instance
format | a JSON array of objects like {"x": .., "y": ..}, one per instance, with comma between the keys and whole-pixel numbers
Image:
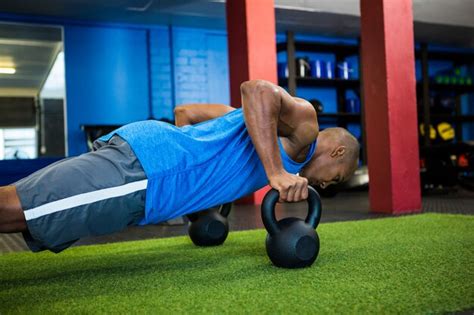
[{"x": 325, "y": 171}]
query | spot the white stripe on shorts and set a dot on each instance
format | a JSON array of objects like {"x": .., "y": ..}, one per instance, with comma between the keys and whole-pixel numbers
[{"x": 84, "y": 199}]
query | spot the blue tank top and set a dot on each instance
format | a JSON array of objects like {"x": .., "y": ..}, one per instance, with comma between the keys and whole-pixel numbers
[{"x": 197, "y": 167}]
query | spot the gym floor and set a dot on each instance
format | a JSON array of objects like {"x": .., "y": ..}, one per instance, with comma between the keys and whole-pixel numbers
[{"x": 347, "y": 206}]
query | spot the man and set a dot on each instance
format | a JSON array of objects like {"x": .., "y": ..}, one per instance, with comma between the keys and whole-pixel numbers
[{"x": 148, "y": 172}]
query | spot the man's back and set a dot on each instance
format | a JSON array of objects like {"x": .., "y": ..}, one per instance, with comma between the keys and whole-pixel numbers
[{"x": 196, "y": 167}]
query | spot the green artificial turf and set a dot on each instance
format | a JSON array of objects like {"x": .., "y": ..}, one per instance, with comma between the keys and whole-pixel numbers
[{"x": 412, "y": 264}]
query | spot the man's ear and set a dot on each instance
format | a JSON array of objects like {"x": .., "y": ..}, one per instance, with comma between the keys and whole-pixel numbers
[{"x": 339, "y": 151}]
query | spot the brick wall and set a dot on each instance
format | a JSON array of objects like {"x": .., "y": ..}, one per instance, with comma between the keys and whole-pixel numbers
[
  {"x": 190, "y": 68},
  {"x": 160, "y": 69}
]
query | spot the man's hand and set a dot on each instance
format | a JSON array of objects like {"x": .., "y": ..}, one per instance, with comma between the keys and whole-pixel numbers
[
  {"x": 292, "y": 188},
  {"x": 270, "y": 112}
]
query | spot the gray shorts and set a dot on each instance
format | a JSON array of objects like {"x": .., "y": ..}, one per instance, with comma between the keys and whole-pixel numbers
[{"x": 97, "y": 193}]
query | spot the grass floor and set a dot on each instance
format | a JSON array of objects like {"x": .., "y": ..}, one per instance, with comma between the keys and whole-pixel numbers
[{"x": 412, "y": 264}]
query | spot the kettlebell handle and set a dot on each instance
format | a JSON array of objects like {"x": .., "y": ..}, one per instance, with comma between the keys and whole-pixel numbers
[
  {"x": 225, "y": 209},
  {"x": 314, "y": 208},
  {"x": 193, "y": 216},
  {"x": 268, "y": 210}
]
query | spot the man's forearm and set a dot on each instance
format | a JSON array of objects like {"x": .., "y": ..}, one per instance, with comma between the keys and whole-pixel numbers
[{"x": 261, "y": 102}]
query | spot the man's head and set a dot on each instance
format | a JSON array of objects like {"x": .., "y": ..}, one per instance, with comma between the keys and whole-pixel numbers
[{"x": 335, "y": 160}]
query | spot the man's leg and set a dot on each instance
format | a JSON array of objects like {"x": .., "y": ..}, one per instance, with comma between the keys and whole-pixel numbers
[
  {"x": 12, "y": 218},
  {"x": 96, "y": 193}
]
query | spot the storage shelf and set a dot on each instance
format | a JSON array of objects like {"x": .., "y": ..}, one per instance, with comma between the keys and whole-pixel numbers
[
  {"x": 346, "y": 117},
  {"x": 448, "y": 55},
  {"x": 342, "y": 51},
  {"x": 456, "y": 88},
  {"x": 327, "y": 83},
  {"x": 329, "y": 48},
  {"x": 449, "y": 118}
]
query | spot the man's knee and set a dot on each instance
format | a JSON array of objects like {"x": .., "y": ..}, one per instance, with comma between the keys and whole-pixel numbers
[{"x": 12, "y": 219}]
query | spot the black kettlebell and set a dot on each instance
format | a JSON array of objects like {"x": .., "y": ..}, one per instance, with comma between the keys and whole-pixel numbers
[
  {"x": 292, "y": 242},
  {"x": 209, "y": 227}
]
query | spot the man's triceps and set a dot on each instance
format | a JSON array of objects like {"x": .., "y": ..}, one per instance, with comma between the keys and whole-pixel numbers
[{"x": 191, "y": 114}]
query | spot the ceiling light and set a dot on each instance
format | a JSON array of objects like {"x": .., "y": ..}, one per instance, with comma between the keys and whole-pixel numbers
[{"x": 7, "y": 70}]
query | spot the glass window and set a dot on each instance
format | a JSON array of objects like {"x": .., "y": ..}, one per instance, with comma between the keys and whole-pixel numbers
[
  {"x": 32, "y": 91},
  {"x": 18, "y": 143}
]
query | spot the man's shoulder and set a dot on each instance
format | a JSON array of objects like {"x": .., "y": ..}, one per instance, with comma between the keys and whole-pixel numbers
[{"x": 306, "y": 118}]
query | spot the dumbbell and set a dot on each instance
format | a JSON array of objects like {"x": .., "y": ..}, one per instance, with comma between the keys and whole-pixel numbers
[
  {"x": 209, "y": 227},
  {"x": 292, "y": 242}
]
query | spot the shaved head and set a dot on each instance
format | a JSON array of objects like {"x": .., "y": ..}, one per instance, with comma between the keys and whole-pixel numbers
[
  {"x": 341, "y": 136},
  {"x": 335, "y": 160}
]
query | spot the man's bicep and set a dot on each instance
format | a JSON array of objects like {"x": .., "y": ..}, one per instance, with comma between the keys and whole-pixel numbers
[{"x": 295, "y": 117}]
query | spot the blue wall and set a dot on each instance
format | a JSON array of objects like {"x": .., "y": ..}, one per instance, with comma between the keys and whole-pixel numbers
[
  {"x": 188, "y": 66},
  {"x": 109, "y": 72},
  {"x": 106, "y": 79},
  {"x": 162, "y": 82}
]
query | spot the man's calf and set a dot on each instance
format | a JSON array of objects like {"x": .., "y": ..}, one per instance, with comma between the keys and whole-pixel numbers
[{"x": 12, "y": 219}]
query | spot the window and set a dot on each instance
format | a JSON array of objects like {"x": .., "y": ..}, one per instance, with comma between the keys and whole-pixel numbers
[{"x": 18, "y": 143}]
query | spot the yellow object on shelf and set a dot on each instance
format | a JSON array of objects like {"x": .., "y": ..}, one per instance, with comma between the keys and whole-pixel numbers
[
  {"x": 446, "y": 131},
  {"x": 432, "y": 131}
]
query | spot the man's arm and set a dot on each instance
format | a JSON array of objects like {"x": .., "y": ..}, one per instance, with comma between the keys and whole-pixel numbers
[
  {"x": 270, "y": 112},
  {"x": 191, "y": 114}
]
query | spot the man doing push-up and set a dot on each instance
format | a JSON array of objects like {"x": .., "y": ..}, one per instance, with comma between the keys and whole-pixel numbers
[{"x": 148, "y": 172}]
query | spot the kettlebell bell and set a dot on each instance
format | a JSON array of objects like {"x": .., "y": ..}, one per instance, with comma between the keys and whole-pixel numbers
[
  {"x": 209, "y": 227},
  {"x": 292, "y": 242}
]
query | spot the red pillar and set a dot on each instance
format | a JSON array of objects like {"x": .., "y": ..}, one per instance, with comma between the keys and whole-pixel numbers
[
  {"x": 388, "y": 67},
  {"x": 252, "y": 49}
]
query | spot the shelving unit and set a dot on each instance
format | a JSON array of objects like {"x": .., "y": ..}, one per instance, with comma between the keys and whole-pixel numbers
[
  {"x": 314, "y": 82},
  {"x": 426, "y": 86},
  {"x": 341, "y": 52},
  {"x": 458, "y": 89},
  {"x": 430, "y": 153}
]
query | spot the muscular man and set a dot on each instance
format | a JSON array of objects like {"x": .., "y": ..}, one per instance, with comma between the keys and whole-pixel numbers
[{"x": 148, "y": 172}]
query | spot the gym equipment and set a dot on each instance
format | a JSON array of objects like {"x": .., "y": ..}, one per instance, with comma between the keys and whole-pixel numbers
[
  {"x": 446, "y": 165},
  {"x": 282, "y": 70},
  {"x": 345, "y": 70},
  {"x": 455, "y": 76},
  {"x": 318, "y": 106},
  {"x": 352, "y": 105},
  {"x": 329, "y": 70},
  {"x": 432, "y": 131},
  {"x": 303, "y": 69},
  {"x": 321, "y": 69},
  {"x": 317, "y": 70},
  {"x": 209, "y": 227},
  {"x": 292, "y": 242},
  {"x": 446, "y": 131}
]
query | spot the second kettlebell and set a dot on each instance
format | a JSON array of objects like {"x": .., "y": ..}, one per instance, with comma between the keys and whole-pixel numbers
[
  {"x": 292, "y": 242},
  {"x": 209, "y": 227}
]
